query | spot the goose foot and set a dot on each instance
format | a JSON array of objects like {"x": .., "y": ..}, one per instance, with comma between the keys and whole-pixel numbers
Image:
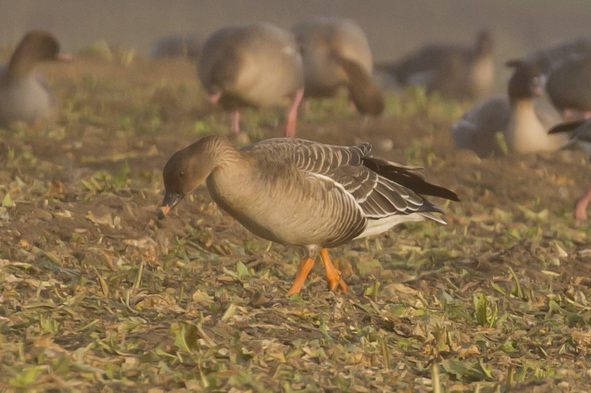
[
  {"x": 305, "y": 266},
  {"x": 333, "y": 275}
]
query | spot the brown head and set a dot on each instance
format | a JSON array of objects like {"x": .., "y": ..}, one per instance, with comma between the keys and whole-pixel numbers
[
  {"x": 35, "y": 46},
  {"x": 189, "y": 167},
  {"x": 525, "y": 82}
]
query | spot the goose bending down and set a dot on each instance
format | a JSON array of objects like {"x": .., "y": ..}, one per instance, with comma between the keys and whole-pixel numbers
[
  {"x": 569, "y": 88},
  {"x": 302, "y": 193},
  {"x": 252, "y": 65},
  {"x": 24, "y": 95},
  {"x": 453, "y": 71},
  {"x": 477, "y": 129},
  {"x": 336, "y": 55},
  {"x": 522, "y": 116},
  {"x": 581, "y": 136}
]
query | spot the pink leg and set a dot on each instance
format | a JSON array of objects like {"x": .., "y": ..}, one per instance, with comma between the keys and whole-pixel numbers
[
  {"x": 581, "y": 206},
  {"x": 292, "y": 114},
  {"x": 214, "y": 98},
  {"x": 235, "y": 122},
  {"x": 569, "y": 115}
]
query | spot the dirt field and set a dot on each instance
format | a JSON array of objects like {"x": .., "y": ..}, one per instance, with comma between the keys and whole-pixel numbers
[{"x": 98, "y": 295}]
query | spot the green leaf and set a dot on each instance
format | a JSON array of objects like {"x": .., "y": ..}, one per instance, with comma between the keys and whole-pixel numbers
[
  {"x": 26, "y": 378},
  {"x": 7, "y": 201},
  {"x": 242, "y": 270},
  {"x": 480, "y": 312},
  {"x": 186, "y": 336}
]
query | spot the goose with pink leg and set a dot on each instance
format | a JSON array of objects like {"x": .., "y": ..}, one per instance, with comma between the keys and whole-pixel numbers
[{"x": 256, "y": 65}]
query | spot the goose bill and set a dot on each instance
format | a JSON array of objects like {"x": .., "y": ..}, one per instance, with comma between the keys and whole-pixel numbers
[{"x": 170, "y": 201}]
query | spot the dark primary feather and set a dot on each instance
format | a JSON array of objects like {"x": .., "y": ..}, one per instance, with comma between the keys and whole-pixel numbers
[
  {"x": 380, "y": 188},
  {"x": 566, "y": 127},
  {"x": 406, "y": 177}
]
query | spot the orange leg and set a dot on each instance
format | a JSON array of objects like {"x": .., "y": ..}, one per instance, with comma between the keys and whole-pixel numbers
[
  {"x": 333, "y": 275},
  {"x": 305, "y": 266}
]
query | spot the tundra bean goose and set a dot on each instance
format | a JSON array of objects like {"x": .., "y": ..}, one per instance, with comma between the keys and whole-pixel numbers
[
  {"x": 252, "y": 65},
  {"x": 336, "y": 55},
  {"x": 302, "y": 193},
  {"x": 24, "y": 96}
]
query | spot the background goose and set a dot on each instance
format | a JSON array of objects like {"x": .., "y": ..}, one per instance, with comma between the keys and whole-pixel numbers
[
  {"x": 522, "y": 115},
  {"x": 252, "y": 65},
  {"x": 303, "y": 193},
  {"x": 569, "y": 88},
  {"x": 581, "y": 136},
  {"x": 527, "y": 131},
  {"x": 336, "y": 55},
  {"x": 24, "y": 96},
  {"x": 453, "y": 71},
  {"x": 549, "y": 59},
  {"x": 477, "y": 129}
]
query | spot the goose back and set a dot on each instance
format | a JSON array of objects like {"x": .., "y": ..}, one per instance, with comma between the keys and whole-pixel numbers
[{"x": 250, "y": 65}]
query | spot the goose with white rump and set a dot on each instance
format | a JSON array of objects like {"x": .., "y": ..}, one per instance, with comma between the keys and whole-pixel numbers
[
  {"x": 256, "y": 65},
  {"x": 302, "y": 193}
]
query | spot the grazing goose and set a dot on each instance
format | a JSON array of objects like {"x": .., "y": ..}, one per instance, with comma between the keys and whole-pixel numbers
[
  {"x": 453, "y": 71},
  {"x": 581, "y": 136},
  {"x": 302, "y": 193},
  {"x": 527, "y": 131},
  {"x": 24, "y": 96},
  {"x": 477, "y": 129},
  {"x": 185, "y": 46},
  {"x": 522, "y": 116},
  {"x": 336, "y": 55},
  {"x": 569, "y": 88},
  {"x": 252, "y": 65}
]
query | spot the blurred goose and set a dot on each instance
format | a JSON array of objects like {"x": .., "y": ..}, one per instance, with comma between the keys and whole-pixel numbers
[
  {"x": 581, "y": 136},
  {"x": 24, "y": 96},
  {"x": 336, "y": 55},
  {"x": 302, "y": 193},
  {"x": 549, "y": 59},
  {"x": 453, "y": 71},
  {"x": 252, "y": 65},
  {"x": 477, "y": 129},
  {"x": 569, "y": 88},
  {"x": 185, "y": 46},
  {"x": 522, "y": 116}
]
